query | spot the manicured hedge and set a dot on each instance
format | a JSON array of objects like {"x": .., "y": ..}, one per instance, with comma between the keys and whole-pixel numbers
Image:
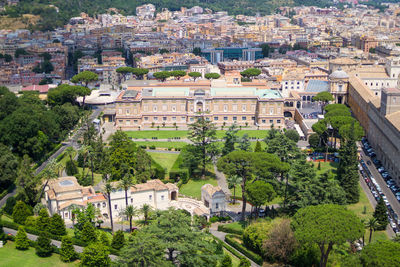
[
  {"x": 226, "y": 229},
  {"x": 177, "y": 172},
  {"x": 230, "y": 249},
  {"x": 250, "y": 254}
]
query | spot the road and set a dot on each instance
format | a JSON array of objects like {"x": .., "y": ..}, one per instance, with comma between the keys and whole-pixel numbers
[
  {"x": 379, "y": 179},
  {"x": 73, "y": 142},
  {"x": 53, "y": 242}
]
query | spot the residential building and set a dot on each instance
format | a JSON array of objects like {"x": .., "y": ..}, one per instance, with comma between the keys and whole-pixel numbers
[{"x": 213, "y": 198}]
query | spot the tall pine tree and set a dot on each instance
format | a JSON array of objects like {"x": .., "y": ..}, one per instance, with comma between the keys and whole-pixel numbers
[
  {"x": 348, "y": 171},
  {"x": 21, "y": 239},
  {"x": 67, "y": 251},
  {"x": 57, "y": 225},
  {"x": 380, "y": 215}
]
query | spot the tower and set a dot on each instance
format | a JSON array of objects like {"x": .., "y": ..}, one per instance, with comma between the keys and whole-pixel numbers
[{"x": 338, "y": 85}]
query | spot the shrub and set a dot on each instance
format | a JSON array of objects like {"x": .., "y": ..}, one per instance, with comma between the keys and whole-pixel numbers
[
  {"x": 250, "y": 254},
  {"x": 57, "y": 225},
  {"x": 244, "y": 263},
  {"x": 152, "y": 147},
  {"x": 21, "y": 239},
  {"x": 255, "y": 234},
  {"x": 43, "y": 222},
  {"x": 67, "y": 251},
  {"x": 10, "y": 203},
  {"x": 170, "y": 148},
  {"x": 95, "y": 255},
  {"x": 21, "y": 211},
  {"x": 70, "y": 168},
  {"x": 104, "y": 239},
  {"x": 226, "y": 261},
  {"x": 43, "y": 247},
  {"x": 118, "y": 240}
]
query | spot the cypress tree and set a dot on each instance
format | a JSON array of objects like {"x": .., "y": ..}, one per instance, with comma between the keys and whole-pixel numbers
[
  {"x": 21, "y": 239},
  {"x": 67, "y": 251},
  {"x": 258, "y": 147},
  {"x": 380, "y": 215},
  {"x": 118, "y": 240},
  {"x": 21, "y": 211},
  {"x": 43, "y": 222},
  {"x": 57, "y": 226},
  {"x": 348, "y": 171},
  {"x": 88, "y": 233},
  {"x": 43, "y": 246},
  {"x": 104, "y": 239}
]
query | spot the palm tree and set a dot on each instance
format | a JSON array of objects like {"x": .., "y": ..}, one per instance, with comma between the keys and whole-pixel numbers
[
  {"x": 130, "y": 212},
  {"x": 125, "y": 184},
  {"x": 108, "y": 189},
  {"x": 372, "y": 225},
  {"x": 49, "y": 173},
  {"x": 69, "y": 151},
  {"x": 145, "y": 210},
  {"x": 233, "y": 181}
]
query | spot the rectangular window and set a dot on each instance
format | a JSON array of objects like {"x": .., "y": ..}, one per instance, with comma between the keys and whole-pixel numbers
[
  {"x": 271, "y": 111},
  {"x": 244, "y": 107},
  {"x": 134, "y": 121},
  {"x": 128, "y": 122},
  {"x": 115, "y": 207},
  {"x": 191, "y": 119},
  {"x": 162, "y": 197},
  {"x": 146, "y": 118},
  {"x": 173, "y": 118},
  {"x": 154, "y": 108},
  {"x": 263, "y": 121},
  {"x": 271, "y": 121},
  {"x": 150, "y": 197},
  {"x": 234, "y": 118},
  {"x": 253, "y": 118},
  {"x": 104, "y": 204},
  {"x": 225, "y": 118},
  {"x": 127, "y": 111},
  {"x": 98, "y": 205},
  {"x": 164, "y": 118},
  {"x": 183, "y": 118},
  {"x": 121, "y": 122},
  {"x": 155, "y": 119},
  {"x": 131, "y": 200},
  {"x": 278, "y": 121},
  {"x": 215, "y": 118},
  {"x": 173, "y": 108},
  {"x": 216, "y": 205},
  {"x": 244, "y": 118}
]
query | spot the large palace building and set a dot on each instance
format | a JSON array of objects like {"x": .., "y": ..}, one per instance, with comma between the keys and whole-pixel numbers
[{"x": 179, "y": 103}]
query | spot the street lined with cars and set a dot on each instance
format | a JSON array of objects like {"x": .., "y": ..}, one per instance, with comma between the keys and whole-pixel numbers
[{"x": 380, "y": 183}]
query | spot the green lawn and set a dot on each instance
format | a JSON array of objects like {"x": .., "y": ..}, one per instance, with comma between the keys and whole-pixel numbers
[
  {"x": 165, "y": 134},
  {"x": 326, "y": 166},
  {"x": 10, "y": 256},
  {"x": 160, "y": 144},
  {"x": 166, "y": 160},
  {"x": 358, "y": 209},
  {"x": 193, "y": 187}
]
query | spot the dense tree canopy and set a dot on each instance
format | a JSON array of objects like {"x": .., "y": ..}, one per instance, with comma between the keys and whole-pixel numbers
[{"x": 382, "y": 253}]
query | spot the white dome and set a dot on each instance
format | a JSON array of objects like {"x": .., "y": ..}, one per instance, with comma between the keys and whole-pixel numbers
[{"x": 339, "y": 74}]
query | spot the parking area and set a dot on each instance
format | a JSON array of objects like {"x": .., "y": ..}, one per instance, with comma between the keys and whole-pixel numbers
[{"x": 380, "y": 183}]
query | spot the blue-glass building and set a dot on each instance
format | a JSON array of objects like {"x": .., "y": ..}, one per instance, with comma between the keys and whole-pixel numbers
[{"x": 220, "y": 54}]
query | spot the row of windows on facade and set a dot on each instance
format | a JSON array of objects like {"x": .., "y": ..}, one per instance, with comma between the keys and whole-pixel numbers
[
  {"x": 150, "y": 198},
  {"x": 183, "y": 119},
  {"x": 216, "y": 108}
]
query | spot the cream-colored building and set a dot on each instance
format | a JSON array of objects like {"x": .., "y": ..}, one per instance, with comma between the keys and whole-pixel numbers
[
  {"x": 213, "y": 198},
  {"x": 168, "y": 104}
]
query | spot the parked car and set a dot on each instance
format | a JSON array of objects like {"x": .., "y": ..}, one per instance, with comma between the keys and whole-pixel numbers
[{"x": 381, "y": 169}]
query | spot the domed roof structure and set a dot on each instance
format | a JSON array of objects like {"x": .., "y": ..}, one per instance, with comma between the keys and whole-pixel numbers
[{"x": 339, "y": 74}]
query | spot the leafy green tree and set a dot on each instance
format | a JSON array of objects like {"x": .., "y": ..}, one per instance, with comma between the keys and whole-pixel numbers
[
  {"x": 70, "y": 168},
  {"x": 255, "y": 234},
  {"x": 20, "y": 51},
  {"x": 259, "y": 192},
  {"x": 258, "y": 147},
  {"x": 8, "y": 166},
  {"x": 118, "y": 240},
  {"x": 85, "y": 78},
  {"x": 197, "y": 51},
  {"x": 234, "y": 181},
  {"x": 323, "y": 97},
  {"x": 57, "y": 225},
  {"x": 21, "y": 239},
  {"x": 226, "y": 261},
  {"x": 8, "y": 102},
  {"x": 178, "y": 74},
  {"x": 380, "y": 215},
  {"x": 9, "y": 207},
  {"x": 212, "y": 76},
  {"x": 313, "y": 140},
  {"x": 124, "y": 71},
  {"x": 43, "y": 221},
  {"x": 372, "y": 225},
  {"x": 67, "y": 251},
  {"x": 202, "y": 133},
  {"x": 140, "y": 72},
  {"x": 43, "y": 246},
  {"x": 88, "y": 234},
  {"x": 108, "y": 189},
  {"x": 326, "y": 225},
  {"x": 250, "y": 73},
  {"x": 383, "y": 253},
  {"x": 348, "y": 169},
  {"x": 194, "y": 75},
  {"x": 265, "y": 49},
  {"x": 244, "y": 143},
  {"x": 230, "y": 139},
  {"x": 95, "y": 254},
  {"x": 292, "y": 135},
  {"x": 162, "y": 75},
  {"x": 142, "y": 250},
  {"x": 145, "y": 210},
  {"x": 130, "y": 212},
  {"x": 103, "y": 238},
  {"x": 20, "y": 212}
]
